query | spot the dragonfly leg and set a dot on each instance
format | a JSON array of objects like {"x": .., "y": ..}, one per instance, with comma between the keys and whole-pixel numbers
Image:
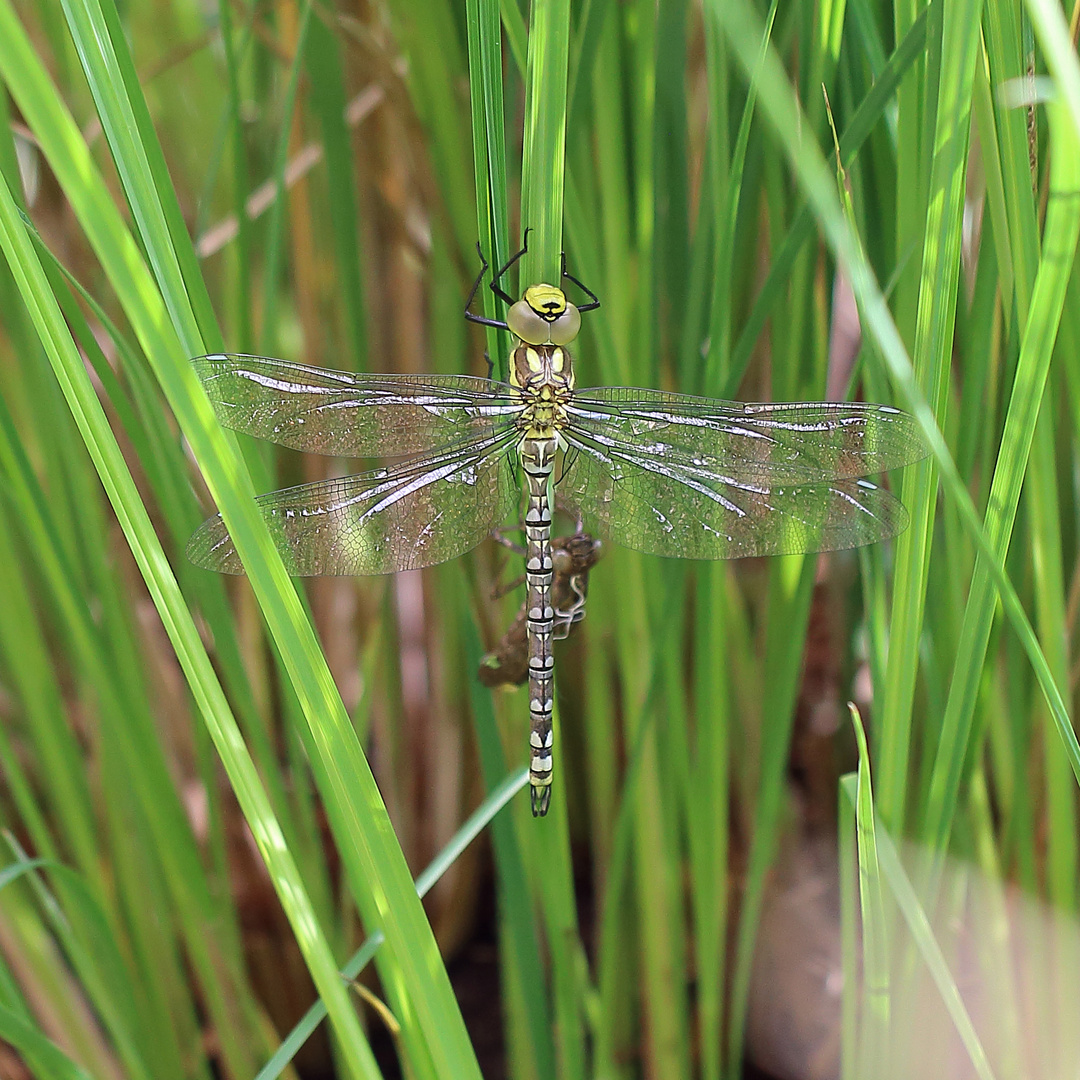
[
  {"x": 496, "y": 288},
  {"x": 497, "y": 323},
  {"x": 502, "y": 590},
  {"x": 500, "y": 537},
  {"x": 594, "y": 300}
]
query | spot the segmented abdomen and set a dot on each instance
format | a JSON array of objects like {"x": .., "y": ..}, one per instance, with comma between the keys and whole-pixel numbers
[{"x": 537, "y": 459}]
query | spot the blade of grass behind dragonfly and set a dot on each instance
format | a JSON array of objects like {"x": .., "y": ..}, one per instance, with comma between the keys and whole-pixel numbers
[
  {"x": 516, "y": 34},
  {"x": 655, "y": 187},
  {"x": 623, "y": 339},
  {"x": 543, "y": 167},
  {"x": 598, "y": 192},
  {"x": 489, "y": 162},
  {"x": 553, "y": 880},
  {"x": 657, "y": 865},
  {"x": 544, "y": 154},
  {"x": 618, "y": 1030},
  {"x": 375, "y": 868},
  {"x": 518, "y": 931},
  {"x": 600, "y": 770}
]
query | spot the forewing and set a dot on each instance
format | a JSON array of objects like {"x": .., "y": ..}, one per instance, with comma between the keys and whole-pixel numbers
[
  {"x": 417, "y": 513},
  {"x": 768, "y": 444},
  {"x": 342, "y": 414},
  {"x": 678, "y": 509}
]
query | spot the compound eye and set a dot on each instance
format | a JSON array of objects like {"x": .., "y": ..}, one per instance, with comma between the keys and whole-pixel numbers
[
  {"x": 527, "y": 325},
  {"x": 565, "y": 328}
]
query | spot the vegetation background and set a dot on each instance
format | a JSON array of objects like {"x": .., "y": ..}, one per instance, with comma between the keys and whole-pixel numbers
[{"x": 195, "y": 843}]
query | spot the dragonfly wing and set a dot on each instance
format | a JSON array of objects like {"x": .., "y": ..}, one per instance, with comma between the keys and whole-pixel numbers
[
  {"x": 664, "y": 505},
  {"x": 417, "y": 513},
  {"x": 349, "y": 415},
  {"x": 766, "y": 444}
]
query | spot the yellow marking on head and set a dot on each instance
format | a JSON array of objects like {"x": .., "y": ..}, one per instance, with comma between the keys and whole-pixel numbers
[{"x": 547, "y": 301}]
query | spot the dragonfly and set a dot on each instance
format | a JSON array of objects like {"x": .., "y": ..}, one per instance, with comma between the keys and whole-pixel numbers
[
  {"x": 572, "y": 557},
  {"x": 661, "y": 473}
]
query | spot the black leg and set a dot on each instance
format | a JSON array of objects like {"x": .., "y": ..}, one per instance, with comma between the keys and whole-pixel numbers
[
  {"x": 495, "y": 287},
  {"x": 594, "y": 300},
  {"x": 472, "y": 296}
]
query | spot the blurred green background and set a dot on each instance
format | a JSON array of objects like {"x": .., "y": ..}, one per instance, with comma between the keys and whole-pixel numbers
[{"x": 194, "y": 841}]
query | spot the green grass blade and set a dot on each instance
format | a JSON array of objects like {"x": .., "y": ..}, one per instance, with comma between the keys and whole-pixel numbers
[
  {"x": 875, "y": 940},
  {"x": 858, "y": 130},
  {"x": 375, "y": 866},
  {"x": 267, "y": 337},
  {"x": 814, "y": 175},
  {"x": 543, "y": 160},
  {"x": 932, "y": 351},
  {"x": 489, "y": 161},
  {"x": 479, "y": 820},
  {"x": 1062, "y": 226},
  {"x": 124, "y": 497},
  {"x": 45, "y": 1059},
  {"x": 718, "y": 374},
  {"x": 790, "y": 589},
  {"x": 323, "y": 65},
  {"x": 923, "y": 936}
]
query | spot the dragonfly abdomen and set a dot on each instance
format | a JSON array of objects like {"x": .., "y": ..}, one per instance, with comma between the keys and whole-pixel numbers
[{"x": 537, "y": 460}]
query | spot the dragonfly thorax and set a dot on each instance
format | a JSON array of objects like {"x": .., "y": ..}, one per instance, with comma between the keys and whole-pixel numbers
[{"x": 545, "y": 376}]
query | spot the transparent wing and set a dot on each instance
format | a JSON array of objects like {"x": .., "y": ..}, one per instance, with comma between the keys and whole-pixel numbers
[
  {"x": 754, "y": 444},
  {"x": 661, "y": 503},
  {"x": 347, "y": 415},
  {"x": 417, "y": 513}
]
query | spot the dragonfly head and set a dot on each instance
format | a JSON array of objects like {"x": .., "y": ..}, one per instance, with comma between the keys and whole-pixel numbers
[{"x": 543, "y": 316}]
